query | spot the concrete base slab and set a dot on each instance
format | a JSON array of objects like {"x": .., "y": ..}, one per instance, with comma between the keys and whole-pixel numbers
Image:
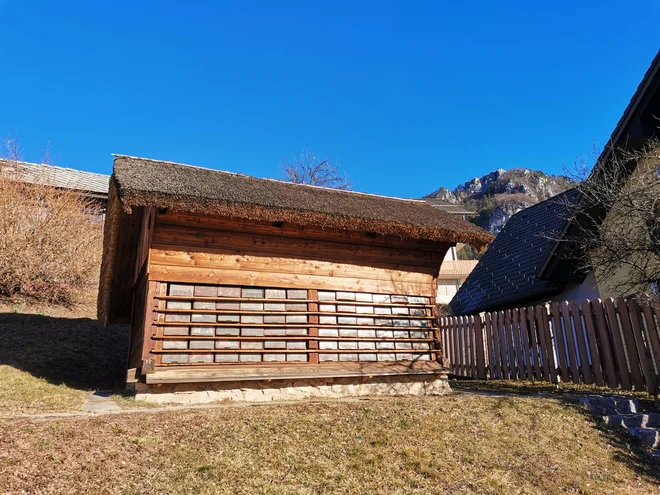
[{"x": 287, "y": 390}]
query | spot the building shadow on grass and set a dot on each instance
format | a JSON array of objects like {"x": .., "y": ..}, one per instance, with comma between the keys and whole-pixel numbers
[
  {"x": 627, "y": 449},
  {"x": 77, "y": 352}
]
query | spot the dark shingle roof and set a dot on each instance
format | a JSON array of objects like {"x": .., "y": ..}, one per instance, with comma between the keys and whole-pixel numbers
[
  {"x": 144, "y": 182},
  {"x": 507, "y": 273},
  {"x": 49, "y": 175}
]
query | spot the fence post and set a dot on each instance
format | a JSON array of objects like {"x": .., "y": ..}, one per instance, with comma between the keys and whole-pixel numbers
[
  {"x": 653, "y": 333},
  {"x": 605, "y": 344},
  {"x": 629, "y": 340},
  {"x": 536, "y": 353},
  {"x": 489, "y": 345},
  {"x": 619, "y": 352},
  {"x": 570, "y": 341},
  {"x": 544, "y": 340},
  {"x": 479, "y": 344},
  {"x": 582, "y": 347},
  {"x": 642, "y": 350},
  {"x": 526, "y": 346},
  {"x": 596, "y": 361}
]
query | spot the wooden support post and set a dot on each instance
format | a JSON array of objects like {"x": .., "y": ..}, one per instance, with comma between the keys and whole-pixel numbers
[
  {"x": 435, "y": 328},
  {"x": 162, "y": 304},
  {"x": 313, "y": 331},
  {"x": 149, "y": 328},
  {"x": 148, "y": 366}
]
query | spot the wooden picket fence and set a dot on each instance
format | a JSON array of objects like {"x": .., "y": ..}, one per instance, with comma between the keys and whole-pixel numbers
[{"x": 613, "y": 343}]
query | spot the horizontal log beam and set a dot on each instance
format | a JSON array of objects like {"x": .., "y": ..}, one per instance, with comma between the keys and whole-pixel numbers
[
  {"x": 286, "y": 325},
  {"x": 244, "y": 371},
  {"x": 293, "y": 301},
  {"x": 295, "y": 351},
  {"x": 307, "y": 338},
  {"x": 290, "y": 313}
]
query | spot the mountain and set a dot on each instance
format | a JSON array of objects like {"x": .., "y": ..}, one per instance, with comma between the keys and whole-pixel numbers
[{"x": 497, "y": 196}]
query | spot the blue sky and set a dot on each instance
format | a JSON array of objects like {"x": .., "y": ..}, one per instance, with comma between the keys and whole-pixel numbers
[{"x": 405, "y": 96}]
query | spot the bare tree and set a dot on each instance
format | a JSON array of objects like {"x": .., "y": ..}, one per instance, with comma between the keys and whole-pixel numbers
[
  {"x": 614, "y": 220},
  {"x": 309, "y": 168}
]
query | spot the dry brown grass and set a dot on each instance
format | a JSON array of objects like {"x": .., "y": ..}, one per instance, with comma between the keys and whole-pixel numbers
[
  {"x": 50, "y": 245},
  {"x": 23, "y": 393},
  {"x": 456, "y": 444},
  {"x": 524, "y": 387}
]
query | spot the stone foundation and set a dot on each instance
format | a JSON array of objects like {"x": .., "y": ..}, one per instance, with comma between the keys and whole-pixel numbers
[{"x": 287, "y": 390}]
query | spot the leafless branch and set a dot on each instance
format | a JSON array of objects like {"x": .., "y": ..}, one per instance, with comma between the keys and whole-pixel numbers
[
  {"x": 309, "y": 168},
  {"x": 615, "y": 224}
]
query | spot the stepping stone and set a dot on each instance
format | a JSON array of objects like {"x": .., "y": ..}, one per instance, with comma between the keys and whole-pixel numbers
[
  {"x": 607, "y": 406},
  {"x": 624, "y": 421},
  {"x": 626, "y": 406},
  {"x": 651, "y": 420},
  {"x": 101, "y": 407},
  {"x": 100, "y": 395},
  {"x": 649, "y": 437}
]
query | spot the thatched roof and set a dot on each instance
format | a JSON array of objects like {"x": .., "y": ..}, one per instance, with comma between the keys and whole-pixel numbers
[
  {"x": 143, "y": 182},
  {"x": 91, "y": 183}
]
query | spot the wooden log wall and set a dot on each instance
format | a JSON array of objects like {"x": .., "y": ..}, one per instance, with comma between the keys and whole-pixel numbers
[
  {"x": 227, "y": 292},
  {"x": 612, "y": 343},
  {"x": 219, "y": 324},
  {"x": 206, "y": 250}
]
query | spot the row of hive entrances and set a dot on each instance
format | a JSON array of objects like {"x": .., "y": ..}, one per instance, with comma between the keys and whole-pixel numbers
[{"x": 218, "y": 324}]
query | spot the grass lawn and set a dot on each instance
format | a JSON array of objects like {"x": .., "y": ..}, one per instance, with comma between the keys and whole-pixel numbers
[
  {"x": 455, "y": 444},
  {"x": 50, "y": 358},
  {"x": 527, "y": 387}
]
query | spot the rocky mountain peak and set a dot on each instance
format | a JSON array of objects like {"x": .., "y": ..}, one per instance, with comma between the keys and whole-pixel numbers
[{"x": 497, "y": 196}]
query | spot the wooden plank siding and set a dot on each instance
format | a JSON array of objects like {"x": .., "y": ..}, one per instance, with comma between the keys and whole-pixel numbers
[
  {"x": 208, "y": 302},
  {"x": 607, "y": 343}
]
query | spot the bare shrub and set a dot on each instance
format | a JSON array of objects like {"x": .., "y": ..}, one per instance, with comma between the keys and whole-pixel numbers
[
  {"x": 50, "y": 239},
  {"x": 615, "y": 220}
]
